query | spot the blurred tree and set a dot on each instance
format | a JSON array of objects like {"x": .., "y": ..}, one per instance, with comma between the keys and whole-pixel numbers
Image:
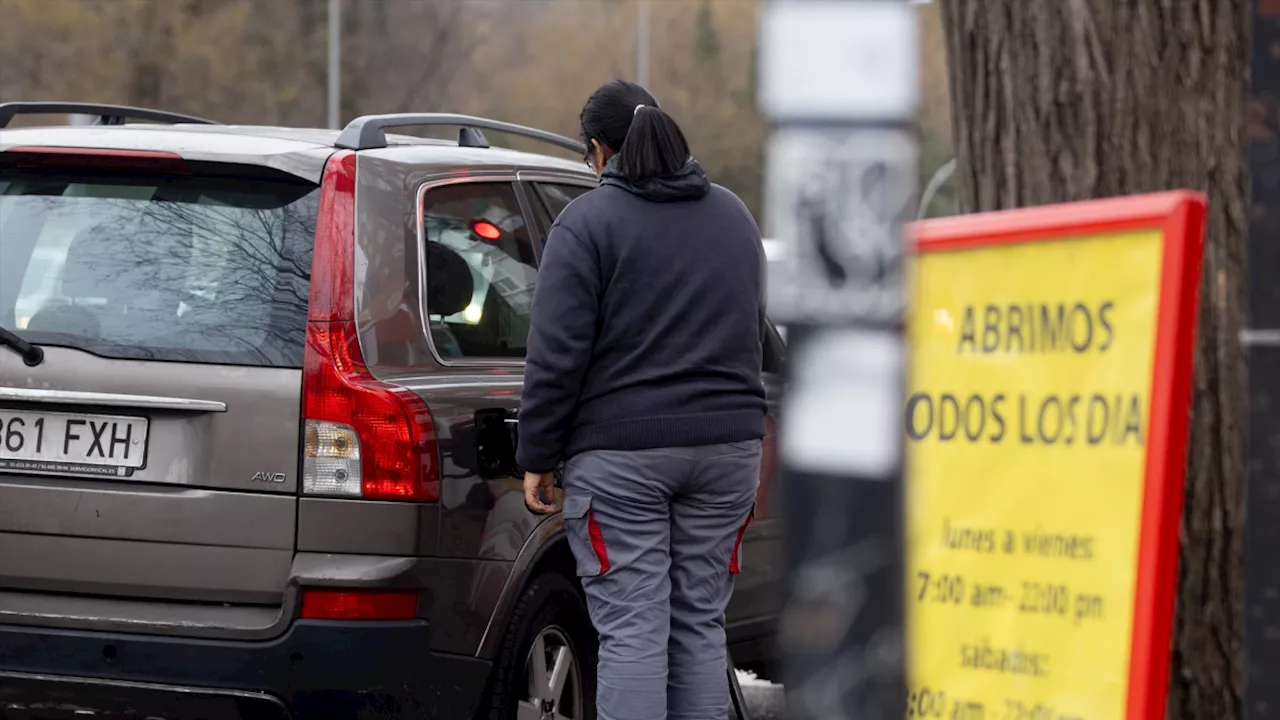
[
  {"x": 702, "y": 71},
  {"x": 708, "y": 42},
  {"x": 404, "y": 56},
  {"x": 1057, "y": 101},
  {"x": 66, "y": 33},
  {"x": 233, "y": 60},
  {"x": 527, "y": 61},
  {"x": 703, "y": 75}
]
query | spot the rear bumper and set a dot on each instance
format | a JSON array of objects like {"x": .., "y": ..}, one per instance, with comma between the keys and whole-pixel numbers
[{"x": 316, "y": 670}]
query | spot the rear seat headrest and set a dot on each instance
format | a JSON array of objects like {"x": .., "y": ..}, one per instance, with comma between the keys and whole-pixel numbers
[{"x": 449, "y": 282}]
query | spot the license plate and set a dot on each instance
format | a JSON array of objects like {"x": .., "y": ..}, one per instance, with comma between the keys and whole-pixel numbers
[{"x": 76, "y": 443}]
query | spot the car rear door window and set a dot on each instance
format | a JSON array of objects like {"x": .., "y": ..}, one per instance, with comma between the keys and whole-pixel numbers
[
  {"x": 480, "y": 270},
  {"x": 557, "y": 196},
  {"x": 178, "y": 268}
]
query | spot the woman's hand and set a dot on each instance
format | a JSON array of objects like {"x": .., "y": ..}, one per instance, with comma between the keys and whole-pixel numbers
[{"x": 538, "y": 486}]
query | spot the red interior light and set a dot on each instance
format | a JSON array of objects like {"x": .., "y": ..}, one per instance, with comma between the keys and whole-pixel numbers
[
  {"x": 398, "y": 454},
  {"x": 328, "y": 604},
  {"x": 486, "y": 230}
]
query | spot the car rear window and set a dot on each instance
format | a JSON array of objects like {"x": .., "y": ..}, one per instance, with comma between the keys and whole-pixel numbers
[{"x": 178, "y": 268}]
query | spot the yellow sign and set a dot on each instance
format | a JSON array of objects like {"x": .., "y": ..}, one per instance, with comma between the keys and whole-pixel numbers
[{"x": 1030, "y": 425}]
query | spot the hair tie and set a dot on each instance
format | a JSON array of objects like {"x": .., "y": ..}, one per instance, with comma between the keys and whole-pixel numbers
[{"x": 633, "y": 112}]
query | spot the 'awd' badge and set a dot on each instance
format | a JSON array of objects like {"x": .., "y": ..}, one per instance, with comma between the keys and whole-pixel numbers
[{"x": 270, "y": 477}]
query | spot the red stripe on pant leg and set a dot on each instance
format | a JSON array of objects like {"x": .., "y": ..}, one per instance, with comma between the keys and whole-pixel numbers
[
  {"x": 737, "y": 545},
  {"x": 597, "y": 541}
]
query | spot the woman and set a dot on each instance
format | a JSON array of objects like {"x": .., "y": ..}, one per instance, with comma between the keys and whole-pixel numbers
[{"x": 643, "y": 376}]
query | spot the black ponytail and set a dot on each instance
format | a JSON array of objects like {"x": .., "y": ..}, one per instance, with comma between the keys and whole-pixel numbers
[
  {"x": 626, "y": 119},
  {"x": 654, "y": 146}
]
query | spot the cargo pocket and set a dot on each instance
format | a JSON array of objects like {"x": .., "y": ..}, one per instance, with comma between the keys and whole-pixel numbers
[
  {"x": 585, "y": 537},
  {"x": 735, "y": 560}
]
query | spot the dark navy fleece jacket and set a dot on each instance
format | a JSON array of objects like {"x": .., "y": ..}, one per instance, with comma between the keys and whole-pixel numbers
[{"x": 647, "y": 322}]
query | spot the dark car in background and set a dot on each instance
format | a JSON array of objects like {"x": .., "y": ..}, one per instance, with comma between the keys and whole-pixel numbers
[{"x": 257, "y": 429}]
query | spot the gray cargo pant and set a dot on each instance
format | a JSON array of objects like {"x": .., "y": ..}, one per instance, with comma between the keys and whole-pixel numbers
[{"x": 657, "y": 537}]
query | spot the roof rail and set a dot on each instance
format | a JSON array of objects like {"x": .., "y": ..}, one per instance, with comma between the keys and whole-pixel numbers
[
  {"x": 366, "y": 133},
  {"x": 107, "y": 114}
]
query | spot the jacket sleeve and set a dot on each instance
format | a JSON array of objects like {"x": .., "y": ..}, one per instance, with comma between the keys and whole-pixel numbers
[
  {"x": 562, "y": 334},
  {"x": 752, "y": 228},
  {"x": 763, "y": 305}
]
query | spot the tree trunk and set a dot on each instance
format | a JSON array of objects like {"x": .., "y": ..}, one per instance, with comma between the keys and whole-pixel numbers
[{"x": 1062, "y": 100}]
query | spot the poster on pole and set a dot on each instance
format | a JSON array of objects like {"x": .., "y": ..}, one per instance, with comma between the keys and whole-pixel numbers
[{"x": 1049, "y": 387}]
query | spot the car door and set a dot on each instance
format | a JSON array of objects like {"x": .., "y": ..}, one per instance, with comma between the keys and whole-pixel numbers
[
  {"x": 757, "y": 599},
  {"x": 480, "y": 274}
]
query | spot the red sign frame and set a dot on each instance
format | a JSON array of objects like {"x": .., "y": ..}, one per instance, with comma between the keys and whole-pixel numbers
[{"x": 1180, "y": 216}]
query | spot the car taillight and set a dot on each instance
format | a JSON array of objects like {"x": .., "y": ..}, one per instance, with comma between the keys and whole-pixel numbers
[
  {"x": 363, "y": 437},
  {"x": 329, "y": 604}
]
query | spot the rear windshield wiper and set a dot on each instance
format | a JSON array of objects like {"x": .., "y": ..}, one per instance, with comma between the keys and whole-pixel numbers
[{"x": 32, "y": 355}]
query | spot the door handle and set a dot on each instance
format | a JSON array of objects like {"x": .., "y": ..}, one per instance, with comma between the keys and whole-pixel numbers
[
  {"x": 512, "y": 421},
  {"x": 496, "y": 437}
]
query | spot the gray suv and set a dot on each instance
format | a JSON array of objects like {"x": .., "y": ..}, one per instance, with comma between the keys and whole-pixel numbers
[{"x": 258, "y": 396}]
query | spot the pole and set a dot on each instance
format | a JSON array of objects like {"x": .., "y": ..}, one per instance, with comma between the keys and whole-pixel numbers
[
  {"x": 838, "y": 80},
  {"x": 1262, "y": 343},
  {"x": 335, "y": 61},
  {"x": 642, "y": 42}
]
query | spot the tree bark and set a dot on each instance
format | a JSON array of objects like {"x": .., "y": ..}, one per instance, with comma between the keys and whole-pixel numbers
[{"x": 1063, "y": 100}]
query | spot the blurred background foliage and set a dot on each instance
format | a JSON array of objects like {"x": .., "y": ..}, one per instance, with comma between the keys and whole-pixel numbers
[{"x": 532, "y": 62}]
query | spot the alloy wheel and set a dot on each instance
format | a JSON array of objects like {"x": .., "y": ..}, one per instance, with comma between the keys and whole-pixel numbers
[{"x": 554, "y": 679}]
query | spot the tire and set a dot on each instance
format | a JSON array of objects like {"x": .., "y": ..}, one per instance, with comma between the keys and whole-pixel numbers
[{"x": 551, "y": 612}]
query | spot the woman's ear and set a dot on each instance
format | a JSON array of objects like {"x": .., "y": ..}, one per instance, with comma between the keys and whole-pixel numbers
[{"x": 598, "y": 158}]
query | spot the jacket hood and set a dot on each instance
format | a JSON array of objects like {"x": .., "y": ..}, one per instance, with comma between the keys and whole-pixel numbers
[{"x": 689, "y": 183}]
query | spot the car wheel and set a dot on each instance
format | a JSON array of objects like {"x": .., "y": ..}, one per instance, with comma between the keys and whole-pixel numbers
[{"x": 546, "y": 667}]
